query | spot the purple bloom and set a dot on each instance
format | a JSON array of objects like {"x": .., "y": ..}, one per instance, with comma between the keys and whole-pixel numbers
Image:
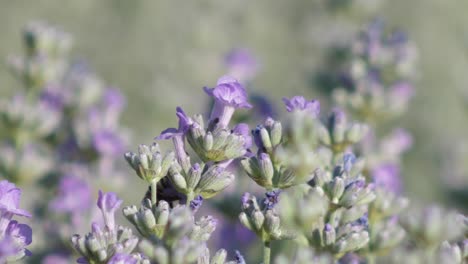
[
  {"x": 108, "y": 203},
  {"x": 122, "y": 258},
  {"x": 229, "y": 95},
  {"x": 401, "y": 92},
  {"x": 272, "y": 198},
  {"x": 9, "y": 200},
  {"x": 196, "y": 203},
  {"x": 241, "y": 64},
  {"x": 14, "y": 240},
  {"x": 184, "y": 124},
  {"x": 74, "y": 196},
  {"x": 178, "y": 135},
  {"x": 243, "y": 130},
  {"x": 53, "y": 99},
  {"x": 108, "y": 142},
  {"x": 387, "y": 176}
]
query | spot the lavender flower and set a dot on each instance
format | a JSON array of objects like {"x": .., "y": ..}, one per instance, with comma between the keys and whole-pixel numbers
[
  {"x": 108, "y": 203},
  {"x": 272, "y": 198},
  {"x": 101, "y": 245},
  {"x": 178, "y": 135},
  {"x": 74, "y": 197},
  {"x": 10, "y": 197},
  {"x": 229, "y": 95},
  {"x": 299, "y": 103},
  {"x": 196, "y": 203},
  {"x": 14, "y": 237}
]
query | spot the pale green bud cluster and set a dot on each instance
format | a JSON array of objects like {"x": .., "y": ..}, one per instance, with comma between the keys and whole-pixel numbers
[
  {"x": 338, "y": 133},
  {"x": 100, "y": 245},
  {"x": 199, "y": 179},
  {"x": 214, "y": 144},
  {"x": 147, "y": 220},
  {"x": 182, "y": 252},
  {"x": 149, "y": 164},
  {"x": 433, "y": 225},
  {"x": 46, "y": 50},
  {"x": 266, "y": 223},
  {"x": 271, "y": 167}
]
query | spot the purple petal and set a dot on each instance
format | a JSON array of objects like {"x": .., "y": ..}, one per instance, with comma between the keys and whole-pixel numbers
[{"x": 299, "y": 103}]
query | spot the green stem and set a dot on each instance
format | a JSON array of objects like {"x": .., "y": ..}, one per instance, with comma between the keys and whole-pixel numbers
[
  {"x": 266, "y": 252},
  {"x": 190, "y": 197},
  {"x": 154, "y": 192}
]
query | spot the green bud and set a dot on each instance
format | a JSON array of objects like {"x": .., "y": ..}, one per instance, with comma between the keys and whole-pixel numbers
[
  {"x": 336, "y": 189},
  {"x": 208, "y": 142},
  {"x": 219, "y": 257},
  {"x": 266, "y": 167},
  {"x": 244, "y": 219},
  {"x": 276, "y": 133},
  {"x": 272, "y": 222},
  {"x": 329, "y": 235},
  {"x": 258, "y": 218},
  {"x": 265, "y": 137},
  {"x": 179, "y": 182}
]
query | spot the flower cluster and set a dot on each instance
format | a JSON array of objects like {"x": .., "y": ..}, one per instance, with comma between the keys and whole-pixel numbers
[{"x": 58, "y": 130}]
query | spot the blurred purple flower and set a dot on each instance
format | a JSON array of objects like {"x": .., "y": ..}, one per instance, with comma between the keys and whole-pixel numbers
[
  {"x": 229, "y": 95},
  {"x": 401, "y": 92},
  {"x": 387, "y": 176},
  {"x": 108, "y": 142},
  {"x": 263, "y": 107},
  {"x": 299, "y": 103},
  {"x": 241, "y": 64},
  {"x": 9, "y": 201},
  {"x": 114, "y": 99},
  {"x": 56, "y": 259},
  {"x": 52, "y": 98},
  {"x": 74, "y": 197},
  {"x": 108, "y": 203},
  {"x": 398, "y": 142}
]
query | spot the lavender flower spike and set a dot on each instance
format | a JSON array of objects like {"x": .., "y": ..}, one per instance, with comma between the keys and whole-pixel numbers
[
  {"x": 229, "y": 95},
  {"x": 108, "y": 203},
  {"x": 299, "y": 103}
]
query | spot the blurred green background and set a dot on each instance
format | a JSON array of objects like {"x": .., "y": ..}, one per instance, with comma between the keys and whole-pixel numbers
[{"x": 161, "y": 53}]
